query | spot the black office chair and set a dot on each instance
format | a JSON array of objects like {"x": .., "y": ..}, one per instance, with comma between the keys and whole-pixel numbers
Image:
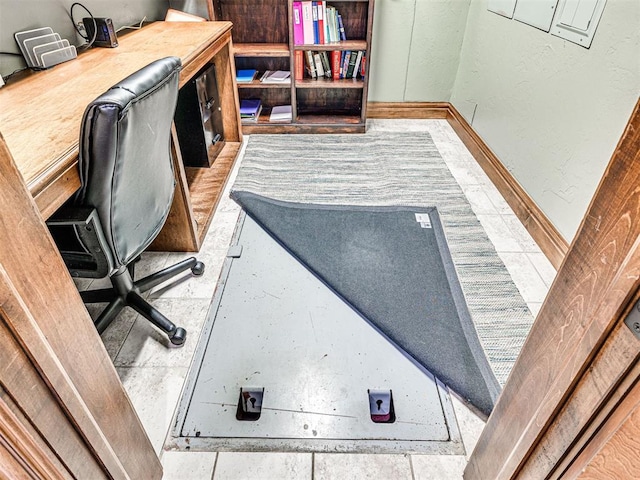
[{"x": 127, "y": 177}]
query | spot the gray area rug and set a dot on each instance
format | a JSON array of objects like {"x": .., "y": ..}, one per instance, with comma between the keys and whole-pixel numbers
[{"x": 396, "y": 169}]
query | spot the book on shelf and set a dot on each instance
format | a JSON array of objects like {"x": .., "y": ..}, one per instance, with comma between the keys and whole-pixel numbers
[
  {"x": 344, "y": 63},
  {"x": 281, "y": 113},
  {"x": 318, "y": 62},
  {"x": 356, "y": 67},
  {"x": 343, "y": 35},
  {"x": 351, "y": 65},
  {"x": 310, "y": 64},
  {"x": 276, "y": 76},
  {"x": 245, "y": 76},
  {"x": 335, "y": 64},
  {"x": 298, "y": 67},
  {"x": 250, "y": 109},
  {"x": 326, "y": 66}
]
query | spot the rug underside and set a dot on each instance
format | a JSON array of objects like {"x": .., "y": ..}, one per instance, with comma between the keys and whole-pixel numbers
[{"x": 392, "y": 265}]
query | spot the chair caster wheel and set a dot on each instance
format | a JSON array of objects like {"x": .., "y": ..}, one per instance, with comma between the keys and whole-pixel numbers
[
  {"x": 179, "y": 336},
  {"x": 198, "y": 269}
]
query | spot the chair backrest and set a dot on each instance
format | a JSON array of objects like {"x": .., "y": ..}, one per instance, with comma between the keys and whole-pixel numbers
[{"x": 126, "y": 169}]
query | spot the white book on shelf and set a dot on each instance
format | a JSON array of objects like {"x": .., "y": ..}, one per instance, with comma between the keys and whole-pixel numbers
[{"x": 281, "y": 113}]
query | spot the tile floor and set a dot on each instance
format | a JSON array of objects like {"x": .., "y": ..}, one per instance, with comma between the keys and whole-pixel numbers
[{"x": 153, "y": 374}]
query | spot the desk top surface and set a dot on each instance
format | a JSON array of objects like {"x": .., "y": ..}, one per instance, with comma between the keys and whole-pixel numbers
[{"x": 40, "y": 115}]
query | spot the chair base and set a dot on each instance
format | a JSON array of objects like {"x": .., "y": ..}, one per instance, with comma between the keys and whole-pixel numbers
[{"x": 126, "y": 293}]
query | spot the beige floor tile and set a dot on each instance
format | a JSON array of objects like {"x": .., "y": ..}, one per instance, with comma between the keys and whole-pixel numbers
[
  {"x": 266, "y": 466},
  {"x": 525, "y": 276},
  {"x": 520, "y": 233},
  {"x": 479, "y": 201},
  {"x": 188, "y": 465},
  {"x": 543, "y": 266},
  {"x": 470, "y": 424},
  {"x": 499, "y": 233},
  {"x": 154, "y": 393},
  {"x": 348, "y": 466},
  {"x": 438, "y": 467}
]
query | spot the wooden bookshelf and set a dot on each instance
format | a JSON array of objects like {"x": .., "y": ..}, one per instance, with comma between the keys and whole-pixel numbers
[{"x": 263, "y": 40}]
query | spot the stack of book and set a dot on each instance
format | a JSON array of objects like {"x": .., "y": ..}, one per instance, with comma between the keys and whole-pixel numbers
[
  {"x": 316, "y": 23},
  {"x": 245, "y": 76},
  {"x": 337, "y": 64},
  {"x": 250, "y": 109}
]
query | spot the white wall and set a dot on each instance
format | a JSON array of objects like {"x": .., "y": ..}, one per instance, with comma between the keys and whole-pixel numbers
[
  {"x": 552, "y": 111},
  {"x": 415, "y": 49}
]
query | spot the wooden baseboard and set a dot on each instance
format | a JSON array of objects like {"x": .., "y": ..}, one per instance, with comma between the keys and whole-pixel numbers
[
  {"x": 429, "y": 110},
  {"x": 550, "y": 241}
]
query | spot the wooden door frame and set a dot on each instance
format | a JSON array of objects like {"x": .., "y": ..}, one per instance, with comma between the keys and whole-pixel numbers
[
  {"x": 580, "y": 361},
  {"x": 45, "y": 314}
]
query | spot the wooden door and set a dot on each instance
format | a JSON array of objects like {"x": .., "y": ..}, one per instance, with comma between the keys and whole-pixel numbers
[
  {"x": 572, "y": 398},
  {"x": 57, "y": 382}
]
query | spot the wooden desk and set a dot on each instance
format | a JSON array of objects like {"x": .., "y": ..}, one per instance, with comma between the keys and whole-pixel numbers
[{"x": 40, "y": 120}]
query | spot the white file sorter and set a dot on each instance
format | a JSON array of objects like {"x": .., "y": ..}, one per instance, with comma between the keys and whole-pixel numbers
[{"x": 43, "y": 48}]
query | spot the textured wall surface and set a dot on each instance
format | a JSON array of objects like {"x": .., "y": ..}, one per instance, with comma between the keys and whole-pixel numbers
[
  {"x": 552, "y": 111},
  {"x": 19, "y": 15},
  {"x": 416, "y": 49}
]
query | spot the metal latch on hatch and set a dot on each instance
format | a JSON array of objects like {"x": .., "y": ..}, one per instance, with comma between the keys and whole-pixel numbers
[
  {"x": 250, "y": 403},
  {"x": 381, "y": 406}
]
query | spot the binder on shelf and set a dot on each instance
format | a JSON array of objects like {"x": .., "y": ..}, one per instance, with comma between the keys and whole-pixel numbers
[
  {"x": 307, "y": 22},
  {"x": 321, "y": 14},
  {"x": 298, "y": 31},
  {"x": 314, "y": 15},
  {"x": 281, "y": 113},
  {"x": 245, "y": 76}
]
